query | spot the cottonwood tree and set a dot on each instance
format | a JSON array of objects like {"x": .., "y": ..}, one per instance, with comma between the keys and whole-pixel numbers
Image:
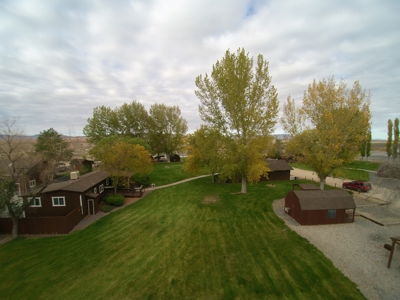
[
  {"x": 133, "y": 120},
  {"x": 167, "y": 129},
  {"x": 122, "y": 158},
  {"x": 329, "y": 126},
  {"x": 104, "y": 123},
  {"x": 18, "y": 158},
  {"x": 205, "y": 148},
  {"x": 390, "y": 139},
  {"x": 239, "y": 100}
]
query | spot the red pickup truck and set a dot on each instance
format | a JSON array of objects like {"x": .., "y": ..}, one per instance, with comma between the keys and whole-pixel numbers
[{"x": 357, "y": 185}]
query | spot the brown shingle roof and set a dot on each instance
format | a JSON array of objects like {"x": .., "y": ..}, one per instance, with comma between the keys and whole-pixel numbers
[
  {"x": 79, "y": 185},
  {"x": 278, "y": 165},
  {"x": 321, "y": 200},
  {"x": 308, "y": 186}
]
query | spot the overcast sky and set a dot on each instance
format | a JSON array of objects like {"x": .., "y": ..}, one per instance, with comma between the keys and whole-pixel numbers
[{"x": 59, "y": 59}]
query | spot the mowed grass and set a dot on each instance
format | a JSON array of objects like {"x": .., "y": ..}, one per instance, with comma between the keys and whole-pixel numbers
[
  {"x": 166, "y": 173},
  {"x": 196, "y": 240}
]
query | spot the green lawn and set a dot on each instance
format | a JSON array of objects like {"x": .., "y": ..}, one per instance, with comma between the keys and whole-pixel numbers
[
  {"x": 166, "y": 173},
  {"x": 196, "y": 240}
]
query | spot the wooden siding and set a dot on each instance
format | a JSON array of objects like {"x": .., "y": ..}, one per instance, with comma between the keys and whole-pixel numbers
[{"x": 314, "y": 217}]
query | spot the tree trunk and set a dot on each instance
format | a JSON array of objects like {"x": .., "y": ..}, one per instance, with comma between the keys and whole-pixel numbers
[
  {"x": 244, "y": 184},
  {"x": 322, "y": 183},
  {"x": 14, "y": 233}
]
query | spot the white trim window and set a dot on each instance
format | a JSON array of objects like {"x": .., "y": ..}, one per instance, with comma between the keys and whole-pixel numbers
[
  {"x": 58, "y": 201},
  {"x": 101, "y": 188},
  {"x": 107, "y": 181},
  {"x": 95, "y": 190},
  {"x": 32, "y": 183},
  {"x": 37, "y": 202}
]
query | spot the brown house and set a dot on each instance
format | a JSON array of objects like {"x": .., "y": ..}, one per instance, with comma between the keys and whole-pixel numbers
[
  {"x": 280, "y": 170},
  {"x": 62, "y": 205},
  {"x": 314, "y": 207}
]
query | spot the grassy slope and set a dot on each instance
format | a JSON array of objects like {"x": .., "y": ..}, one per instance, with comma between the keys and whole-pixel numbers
[
  {"x": 172, "y": 245},
  {"x": 166, "y": 173}
]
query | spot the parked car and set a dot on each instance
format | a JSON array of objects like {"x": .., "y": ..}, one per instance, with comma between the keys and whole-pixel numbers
[{"x": 357, "y": 185}]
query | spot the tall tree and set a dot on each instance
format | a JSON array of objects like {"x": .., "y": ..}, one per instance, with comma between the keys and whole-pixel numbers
[
  {"x": 17, "y": 160},
  {"x": 167, "y": 129},
  {"x": 363, "y": 149},
  {"x": 205, "y": 148},
  {"x": 240, "y": 101},
  {"x": 396, "y": 139},
  {"x": 390, "y": 139},
  {"x": 133, "y": 120},
  {"x": 123, "y": 157},
  {"x": 103, "y": 123},
  {"x": 52, "y": 147},
  {"x": 368, "y": 149},
  {"x": 334, "y": 121}
]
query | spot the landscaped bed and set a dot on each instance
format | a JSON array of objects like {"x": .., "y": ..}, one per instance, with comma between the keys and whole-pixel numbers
[{"x": 190, "y": 241}]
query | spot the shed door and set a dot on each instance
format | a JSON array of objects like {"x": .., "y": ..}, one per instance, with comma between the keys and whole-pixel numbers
[{"x": 91, "y": 210}]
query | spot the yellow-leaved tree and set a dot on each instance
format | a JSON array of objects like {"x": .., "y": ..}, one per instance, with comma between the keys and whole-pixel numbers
[
  {"x": 328, "y": 128},
  {"x": 239, "y": 100},
  {"x": 123, "y": 157}
]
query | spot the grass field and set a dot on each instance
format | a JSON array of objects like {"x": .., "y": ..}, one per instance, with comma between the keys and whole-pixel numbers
[
  {"x": 166, "y": 173},
  {"x": 196, "y": 240}
]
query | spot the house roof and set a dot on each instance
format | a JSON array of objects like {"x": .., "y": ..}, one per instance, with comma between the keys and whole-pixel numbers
[
  {"x": 278, "y": 165},
  {"x": 80, "y": 185},
  {"x": 324, "y": 199}
]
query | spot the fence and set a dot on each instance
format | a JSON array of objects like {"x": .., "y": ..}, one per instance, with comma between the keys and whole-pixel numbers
[{"x": 43, "y": 225}]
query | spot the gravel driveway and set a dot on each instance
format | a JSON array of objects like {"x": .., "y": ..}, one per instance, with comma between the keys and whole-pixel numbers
[{"x": 357, "y": 250}]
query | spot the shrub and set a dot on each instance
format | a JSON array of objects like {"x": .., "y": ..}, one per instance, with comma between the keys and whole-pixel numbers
[
  {"x": 142, "y": 180},
  {"x": 115, "y": 200},
  {"x": 107, "y": 208}
]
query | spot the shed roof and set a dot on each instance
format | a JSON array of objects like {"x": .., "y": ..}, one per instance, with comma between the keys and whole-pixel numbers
[
  {"x": 278, "y": 165},
  {"x": 324, "y": 199},
  {"x": 80, "y": 185},
  {"x": 308, "y": 186}
]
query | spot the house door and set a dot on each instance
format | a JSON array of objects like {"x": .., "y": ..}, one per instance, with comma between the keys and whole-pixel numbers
[{"x": 91, "y": 210}]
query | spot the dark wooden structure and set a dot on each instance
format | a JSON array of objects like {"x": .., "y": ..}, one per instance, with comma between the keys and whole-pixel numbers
[
  {"x": 133, "y": 192},
  {"x": 395, "y": 240},
  {"x": 62, "y": 205},
  {"x": 77, "y": 164},
  {"x": 314, "y": 207},
  {"x": 175, "y": 158},
  {"x": 280, "y": 170}
]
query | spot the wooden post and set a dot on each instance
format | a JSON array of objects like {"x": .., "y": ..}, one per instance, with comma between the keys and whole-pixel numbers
[{"x": 395, "y": 240}]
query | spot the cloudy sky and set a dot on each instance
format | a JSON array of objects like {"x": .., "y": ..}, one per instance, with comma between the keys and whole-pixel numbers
[{"x": 59, "y": 59}]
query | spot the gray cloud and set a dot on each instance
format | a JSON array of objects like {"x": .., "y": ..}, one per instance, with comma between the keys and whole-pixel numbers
[{"x": 60, "y": 59}]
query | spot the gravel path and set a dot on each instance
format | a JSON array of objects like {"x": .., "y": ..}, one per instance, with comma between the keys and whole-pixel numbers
[{"x": 357, "y": 250}]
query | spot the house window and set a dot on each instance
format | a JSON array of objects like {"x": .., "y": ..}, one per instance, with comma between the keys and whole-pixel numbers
[
  {"x": 101, "y": 188},
  {"x": 32, "y": 183},
  {"x": 37, "y": 202},
  {"x": 95, "y": 190},
  {"x": 58, "y": 201},
  {"x": 331, "y": 213},
  {"x": 107, "y": 181}
]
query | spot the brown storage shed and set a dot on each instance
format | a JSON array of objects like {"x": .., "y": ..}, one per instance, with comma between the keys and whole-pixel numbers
[
  {"x": 280, "y": 170},
  {"x": 315, "y": 207}
]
